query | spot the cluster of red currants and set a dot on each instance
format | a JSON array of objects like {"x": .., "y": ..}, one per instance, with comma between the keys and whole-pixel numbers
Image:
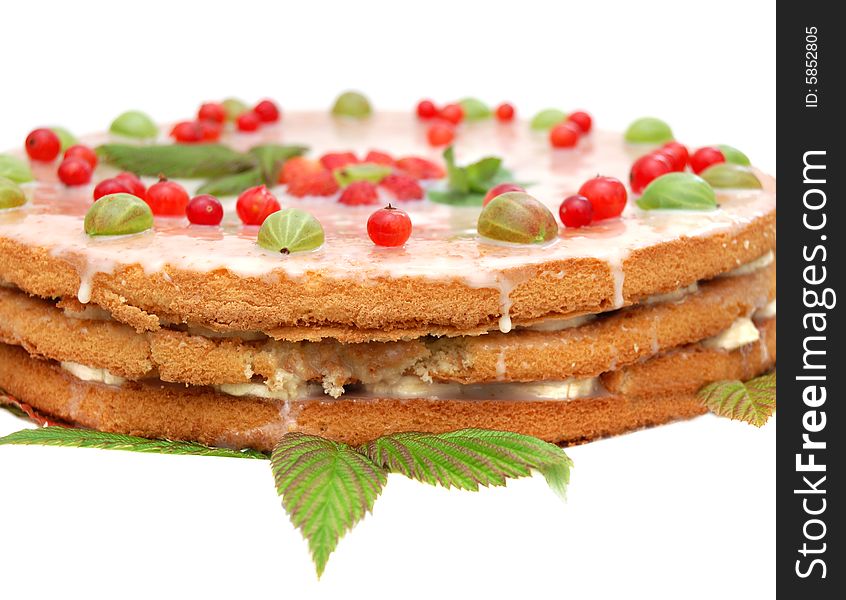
[
  {"x": 441, "y": 131},
  {"x": 567, "y": 133},
  {"x": 211, "y": 117},
  {"x": 598, "y": 199},
  {"x": 78, "y": 161},
  {"x": 671, "y": 157}
]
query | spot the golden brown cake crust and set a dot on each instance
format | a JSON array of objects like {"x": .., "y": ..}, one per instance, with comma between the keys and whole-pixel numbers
[
  {"x": 652, "y": 392},
  {"x": 386, "y": 309},
  {"x": 617, "y": 339}
]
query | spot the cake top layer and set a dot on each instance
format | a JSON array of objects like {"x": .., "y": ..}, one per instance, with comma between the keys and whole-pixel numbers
[
  {"x": 444, "y": 243},
  {"x": 444, "y": 246}
]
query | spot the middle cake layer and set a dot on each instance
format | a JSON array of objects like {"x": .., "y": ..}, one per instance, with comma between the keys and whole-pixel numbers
[{"x": 576, "y": 348}]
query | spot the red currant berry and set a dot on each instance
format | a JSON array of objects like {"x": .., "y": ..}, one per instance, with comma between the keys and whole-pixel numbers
[
  {"x": 110, "y": 186},
  {"x": 646, "y": 168},
  {"x": 505, "y": 112},
  {"x": 267, "y": 111},
  {"x": 607, "y": 195},
  {"x": 453, "y": 113},
  {"x": 440, "y": 134},
  {"x": 705, "y": 157},
  {"x": 212, "y": 111},
  {"x": 167, "y": 198},
  {"x": 43, "y": 145},
  {"x": 83, "y": 152},
  {"x": 501, "y": 189},
  {"x": 210, "y": 130},
  {"x": 564, "y": 135},
  {"x": 75, "y": 171},
  {"x": 576, "y": 211},
  {"x": 248, "y": 121},
  {"x": 677, "y": 153},
  {"x": 204, "y": 209},
  {"x": 426, "y": 109},
  {"x": 255, "y": 204},
  {"x": 582, "y": 119},
  {"x": 187, "y": 132},
  {"x": 389, "y": 227},
  {"x": 134, "y": 185}
]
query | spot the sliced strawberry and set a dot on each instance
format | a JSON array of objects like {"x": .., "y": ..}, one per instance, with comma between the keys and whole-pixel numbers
[
  {"x": 402, "y": 187},
  {"x": 359, "y": 192},
  {"x": 336, "y": 160},
  {"x": 379, "y": 158},
  {"x": 297, "y": 167},
  {"x": 420, "y": 168},
  {"x": 321, "y": 183}
]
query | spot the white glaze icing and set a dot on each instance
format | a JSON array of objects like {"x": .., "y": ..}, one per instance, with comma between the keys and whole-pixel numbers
[{"x": 443, "y": 245}]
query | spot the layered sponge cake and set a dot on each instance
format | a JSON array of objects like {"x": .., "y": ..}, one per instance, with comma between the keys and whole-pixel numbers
[{"x": 193, "y": 332}]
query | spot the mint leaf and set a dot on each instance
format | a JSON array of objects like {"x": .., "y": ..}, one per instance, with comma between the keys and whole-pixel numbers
[
  {"x": 467, "y": 186},
  {"x": 232, "y": 185},
  {"x": 753, "y": 401},
  {"x": 457, "y": 179},
  {"x": 469, "y": 458},
  {"x": 326, "y": 488},
  {"x": 271, "y": 157},
  {"x": 89, "y": 438},
  {"x": 481, "y": 173},
  {"x": 191, "y": 161}
]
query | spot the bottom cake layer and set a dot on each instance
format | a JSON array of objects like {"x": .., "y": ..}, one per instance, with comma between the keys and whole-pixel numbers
[{"x": 651, "y": 392}]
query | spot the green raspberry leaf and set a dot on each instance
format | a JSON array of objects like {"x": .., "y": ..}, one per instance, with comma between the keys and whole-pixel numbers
[
  {"x": 271, "y": 157},
  {"x": 232, "y": 185},
  {"x": 753, "y": 401},
  {"x": 190, "y": 161},
  {"x": 89, "y": 438},
  {"x": 470, "y": 458},
  {"x": 326, "y": 488}
]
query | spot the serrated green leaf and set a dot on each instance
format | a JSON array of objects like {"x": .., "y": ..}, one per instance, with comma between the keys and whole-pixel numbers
[
  {"x": 469, "y": 458},
  {"x": 191, "y": 161},
  {"x": 89, "y": 438},
  {"x": 232, "y": 185},
  {"x": 753, "y": 401},
  {"x": 326, "y": 488},
  {"x": 271, "y": 157},
  {"x": 16, "y": 411}
]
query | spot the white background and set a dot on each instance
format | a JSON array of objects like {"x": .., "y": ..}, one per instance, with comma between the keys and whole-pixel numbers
[{"x": 682, "y": 511}]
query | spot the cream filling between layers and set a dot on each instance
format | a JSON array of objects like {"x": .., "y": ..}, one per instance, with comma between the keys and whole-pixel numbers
[{"x": 740, "y": 333}]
